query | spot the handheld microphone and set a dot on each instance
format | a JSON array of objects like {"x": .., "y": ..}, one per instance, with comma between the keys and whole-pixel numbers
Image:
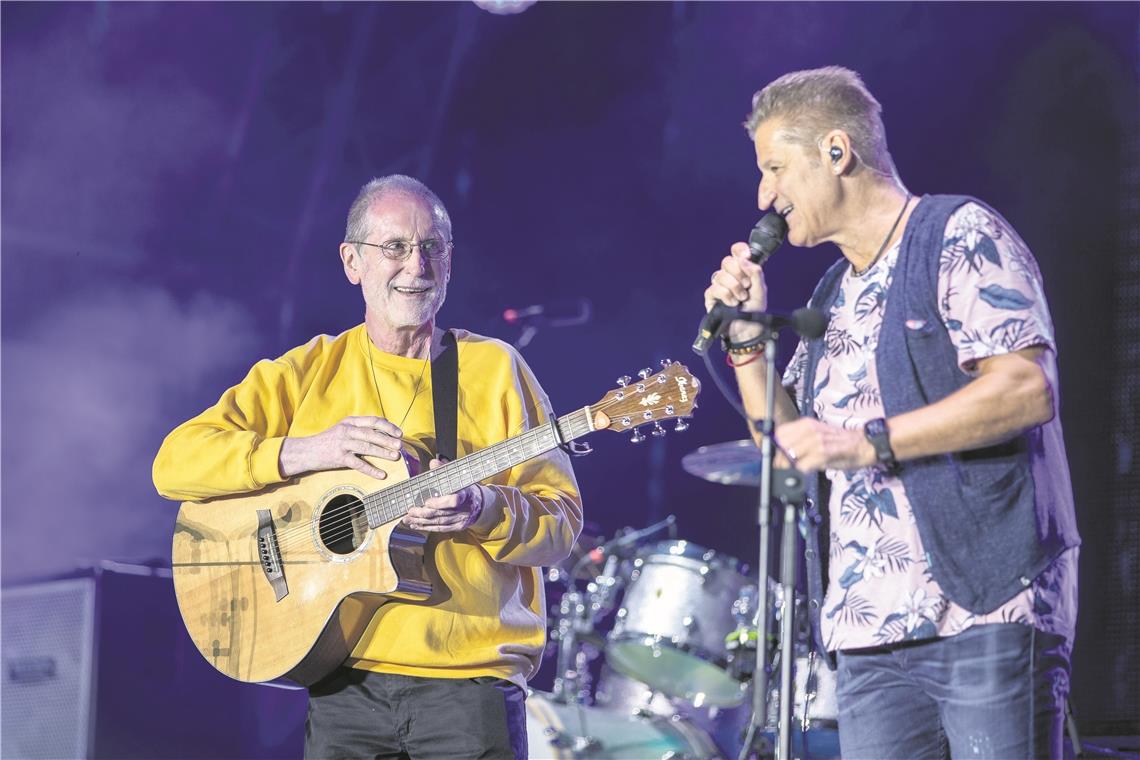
[{"x": 763, "y": 241}]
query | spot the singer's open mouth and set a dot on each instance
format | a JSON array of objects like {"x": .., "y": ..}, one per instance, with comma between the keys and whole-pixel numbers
[
  {"x": 410, "y": 291},
  {"x": 787, "y": 210}
]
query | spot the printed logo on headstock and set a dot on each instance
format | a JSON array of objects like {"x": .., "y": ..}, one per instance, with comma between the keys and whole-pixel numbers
[{"x": 681, "y": 383}]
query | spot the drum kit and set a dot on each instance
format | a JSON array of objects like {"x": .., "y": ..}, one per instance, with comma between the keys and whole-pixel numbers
[{"x": 672, "y": 677}]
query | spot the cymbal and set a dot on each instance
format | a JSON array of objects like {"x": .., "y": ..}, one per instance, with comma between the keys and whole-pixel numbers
[{"x": 734, "y": 463}]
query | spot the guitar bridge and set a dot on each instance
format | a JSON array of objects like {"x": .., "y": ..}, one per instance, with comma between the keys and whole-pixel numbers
[{"x": 270, "y": 554}]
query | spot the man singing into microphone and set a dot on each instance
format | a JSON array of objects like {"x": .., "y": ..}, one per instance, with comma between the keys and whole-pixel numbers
[{"x": 929, "y": 410}]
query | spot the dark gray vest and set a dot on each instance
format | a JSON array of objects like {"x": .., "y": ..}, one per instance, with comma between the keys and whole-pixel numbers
[{"x": 990, "y": 519}]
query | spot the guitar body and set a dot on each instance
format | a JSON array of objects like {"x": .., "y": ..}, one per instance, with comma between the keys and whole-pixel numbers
[{"x": 282, "y": 583}]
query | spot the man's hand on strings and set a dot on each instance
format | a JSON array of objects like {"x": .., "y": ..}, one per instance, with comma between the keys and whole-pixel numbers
[{"x": 446, "y": 514}]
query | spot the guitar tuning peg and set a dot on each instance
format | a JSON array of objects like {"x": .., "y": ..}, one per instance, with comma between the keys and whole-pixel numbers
[
  {"x": 657, "y": 431},
  {"x": 665, "y": 363},
  {"x": 637, "y": 436},
  {"x": 644, "y": 373},
  {"x": 681, "y": 426},
  {"x": 624, "y": 380}
]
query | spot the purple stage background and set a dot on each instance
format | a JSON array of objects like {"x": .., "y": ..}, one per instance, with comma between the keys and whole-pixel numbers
[{"x": 176, "y": 177}]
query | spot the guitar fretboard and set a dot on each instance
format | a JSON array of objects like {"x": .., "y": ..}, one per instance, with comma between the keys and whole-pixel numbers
[{"x": 394, "y": 502}]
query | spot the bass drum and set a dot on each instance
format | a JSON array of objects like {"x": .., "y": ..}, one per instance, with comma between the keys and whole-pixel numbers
[
  {"x": 724, "y": 725},
  {"x": 556, "y": 730}
]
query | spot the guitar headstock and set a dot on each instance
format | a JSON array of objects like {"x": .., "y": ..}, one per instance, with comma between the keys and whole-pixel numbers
[{"x": 650, "y": 400}]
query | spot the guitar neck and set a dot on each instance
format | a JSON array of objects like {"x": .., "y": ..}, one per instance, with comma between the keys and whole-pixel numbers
[{"x": 394, "y": 502}]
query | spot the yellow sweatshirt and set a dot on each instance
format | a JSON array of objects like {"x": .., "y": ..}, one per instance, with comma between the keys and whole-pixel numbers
[{"x": 493, "y": 620}]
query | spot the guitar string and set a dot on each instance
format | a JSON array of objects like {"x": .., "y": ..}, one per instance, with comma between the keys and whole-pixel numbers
[
  {"x": 406, "y": 490},
  {"x": 402, "y": 491},
  {"x": 345, "y": 527}
]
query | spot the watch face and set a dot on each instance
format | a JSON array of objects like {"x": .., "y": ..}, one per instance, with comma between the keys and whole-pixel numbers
[{"x": 876, "y": 432}]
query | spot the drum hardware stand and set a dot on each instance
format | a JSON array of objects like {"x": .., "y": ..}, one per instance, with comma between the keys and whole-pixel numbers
[
  {"x": 1071, "y": 728},
  {"x": 811, "y": 688},
  {"x": 788, "y": 488},
  {"x": 572, "y": 684},
  {"x": 573, "y": 681},
  {"x": 576, "y": 615}
]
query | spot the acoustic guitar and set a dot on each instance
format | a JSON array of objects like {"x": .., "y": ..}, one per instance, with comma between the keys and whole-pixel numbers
[{"x": 282, "y": 582}]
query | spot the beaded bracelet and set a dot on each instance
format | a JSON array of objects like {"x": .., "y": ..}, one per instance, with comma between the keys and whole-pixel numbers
[{"x": 744, "y": 347}]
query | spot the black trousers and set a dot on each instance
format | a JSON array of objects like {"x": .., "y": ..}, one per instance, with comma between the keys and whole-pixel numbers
[{"x": 357, "y": 713}]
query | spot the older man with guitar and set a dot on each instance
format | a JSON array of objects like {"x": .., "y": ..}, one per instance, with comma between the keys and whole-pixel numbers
[{"x": 412, "y": 607}]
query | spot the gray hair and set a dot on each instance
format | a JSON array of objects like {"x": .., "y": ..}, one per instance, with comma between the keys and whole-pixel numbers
[
  {"x": 815, "y": 101},
  {"x": 357, "y": 227}
]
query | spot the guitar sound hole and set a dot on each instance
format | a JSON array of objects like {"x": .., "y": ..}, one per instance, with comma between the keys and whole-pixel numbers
[{"x": 343, "y": 525}]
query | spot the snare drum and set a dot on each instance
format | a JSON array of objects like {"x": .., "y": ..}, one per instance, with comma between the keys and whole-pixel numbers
[
  {"x": 558, "y": 730},
  {"x": 670, "y": 630}
]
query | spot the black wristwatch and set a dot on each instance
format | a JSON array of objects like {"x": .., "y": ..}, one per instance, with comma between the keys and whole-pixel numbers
[{"x": 876, "y": 432}]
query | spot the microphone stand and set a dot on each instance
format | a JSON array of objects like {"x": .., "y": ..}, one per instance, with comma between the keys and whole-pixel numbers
[{"x": 790, "y": 489}]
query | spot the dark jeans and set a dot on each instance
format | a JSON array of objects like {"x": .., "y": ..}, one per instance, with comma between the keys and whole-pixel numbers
[
  {"x": 357, "y": 713},
  {"x": 993, "y": 691}
]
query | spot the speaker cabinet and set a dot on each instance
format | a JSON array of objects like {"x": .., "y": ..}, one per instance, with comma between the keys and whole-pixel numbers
[
  {"x": 100, "y": 666},
  {"x": 48, "y": 669}
]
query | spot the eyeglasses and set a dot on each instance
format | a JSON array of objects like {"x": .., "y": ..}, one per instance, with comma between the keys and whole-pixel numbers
[{"x": 399, "y": 250}]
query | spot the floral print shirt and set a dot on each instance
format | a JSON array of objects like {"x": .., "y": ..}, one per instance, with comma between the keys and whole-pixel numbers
[{"x": 880, "y": 591}]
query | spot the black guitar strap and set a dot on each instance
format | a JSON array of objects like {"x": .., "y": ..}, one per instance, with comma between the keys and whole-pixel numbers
[{"x": 445, "y": 397}]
